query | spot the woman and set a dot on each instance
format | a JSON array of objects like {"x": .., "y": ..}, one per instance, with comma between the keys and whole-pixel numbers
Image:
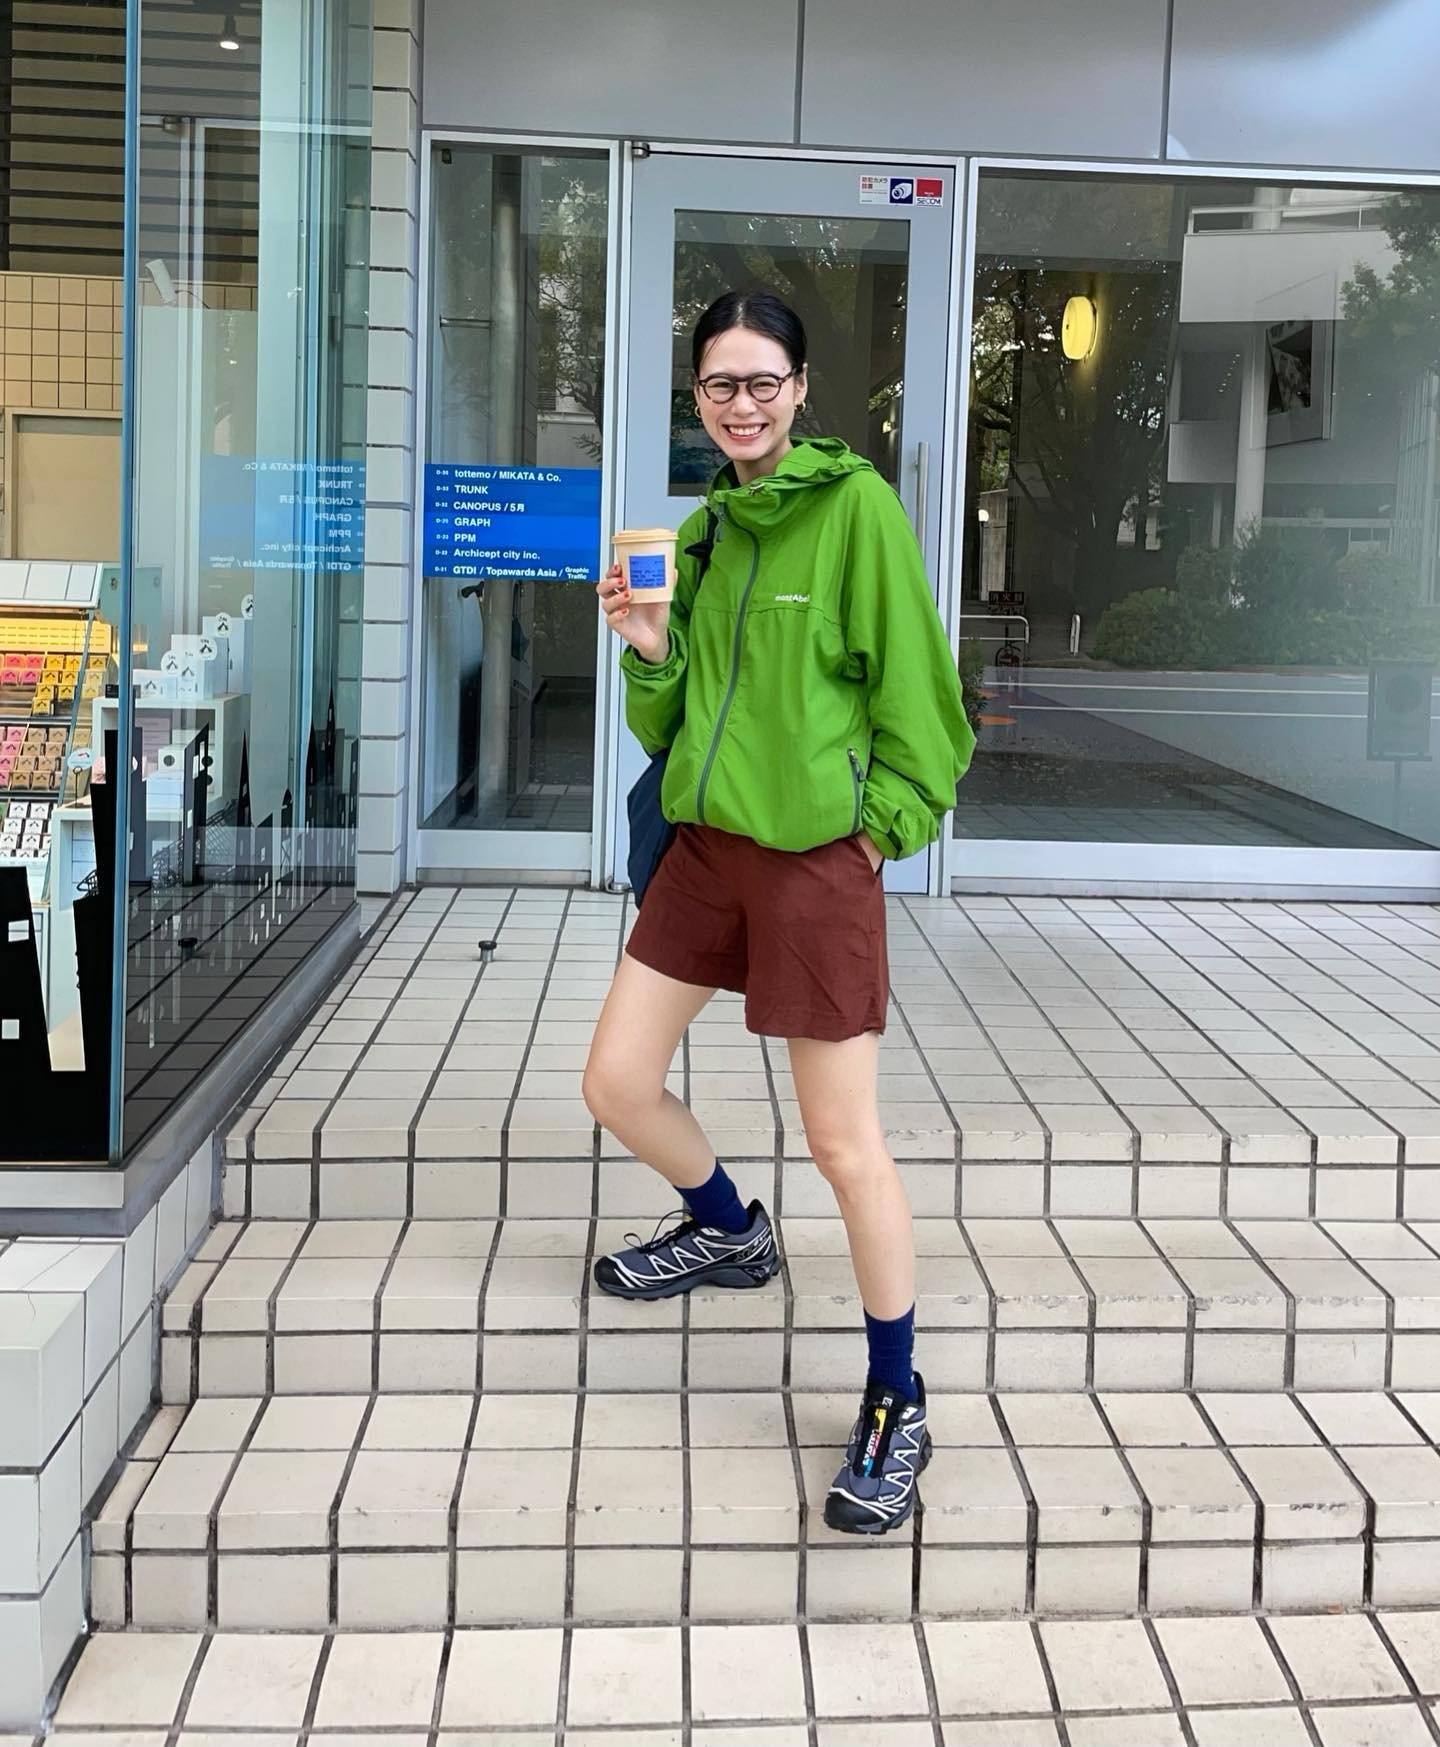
[{"x": 811, "y": 706}]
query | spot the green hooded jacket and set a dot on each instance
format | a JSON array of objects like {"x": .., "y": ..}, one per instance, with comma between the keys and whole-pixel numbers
[{"x": 809, "y": 690}]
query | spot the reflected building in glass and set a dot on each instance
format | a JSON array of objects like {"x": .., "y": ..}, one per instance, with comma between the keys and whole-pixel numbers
[{"x": 1198, "y": 541}]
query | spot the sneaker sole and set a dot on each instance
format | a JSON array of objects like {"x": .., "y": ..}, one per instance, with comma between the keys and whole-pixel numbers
[
  {"x": 739, "y": 1279},
  {"x": 887, "y": 1526}
]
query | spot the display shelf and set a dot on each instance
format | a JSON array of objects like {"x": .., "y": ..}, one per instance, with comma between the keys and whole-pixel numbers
[
  {"x": 50, "y": 664},
  {"x": 56, "y": 656},
  {"x": 229, "y": 718}
]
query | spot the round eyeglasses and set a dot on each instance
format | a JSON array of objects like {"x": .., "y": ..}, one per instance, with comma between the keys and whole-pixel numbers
[{"x": 763, "y": 387}]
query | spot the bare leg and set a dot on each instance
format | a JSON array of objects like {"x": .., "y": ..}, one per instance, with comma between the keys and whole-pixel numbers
[
  {"x": 644, "y": 1018},
  {"x": 836, "y": 1084}
]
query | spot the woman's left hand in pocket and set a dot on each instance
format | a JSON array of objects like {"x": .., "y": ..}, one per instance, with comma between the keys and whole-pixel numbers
[{"x": 873, "y": 855}]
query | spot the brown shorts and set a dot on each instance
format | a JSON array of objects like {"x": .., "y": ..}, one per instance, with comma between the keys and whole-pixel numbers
[{"x": 801, "y": 936}]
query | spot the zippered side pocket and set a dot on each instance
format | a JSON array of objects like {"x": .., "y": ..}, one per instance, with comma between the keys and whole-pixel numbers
[{"x": 858, "y": 780}]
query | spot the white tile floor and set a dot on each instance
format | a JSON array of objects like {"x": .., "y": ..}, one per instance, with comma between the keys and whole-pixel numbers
[
  {"x": 1059, "y": 1032},
  {"x": 1361, "y": 1680},
  {"x": 1177, "y": 1177}
]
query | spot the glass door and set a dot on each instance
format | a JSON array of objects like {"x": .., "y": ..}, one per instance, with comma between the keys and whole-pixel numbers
[
  {"x": 517, "y": 285},
  {"x": 862, "y": 252}
]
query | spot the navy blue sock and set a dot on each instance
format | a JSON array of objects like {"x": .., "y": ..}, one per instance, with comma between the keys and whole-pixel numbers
[
  {"x": 892, "y": 1349},
  {"x": 715, "y": 1202}
]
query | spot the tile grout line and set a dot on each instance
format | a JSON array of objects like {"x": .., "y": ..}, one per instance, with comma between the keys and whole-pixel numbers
[
  {"x": 1427, "y": 1712},
  {"x": 1032, "y": 1508},
  {"x": 1371, "y": 1512},
  {"x": 187, "y": 1690},
  {"x": 1288, "y": 1675},
  {"x": 1254, "y": 1015},
  {"x": 377, "y": 1326},
  {"x": 1147, "y": 1509},
  {"x": 991, "y": 1330},
  {"x": 212, "y": 1516},
  {"x": 1047, "y": 1673},
  {"x": 1291, "y": 1311},
  {"x": 1388, "y": 1298},
  {"x": 442, "y": 1674},
  {"x": 974, "y": 1019},
  {"x": 582, "y": 1358},
  {"x": 452, "y": 1518},
  {"x": 1170, "y": 1003},
  {"x": 317, "y": 1681},
  {"x": 476, "y": 982},
  {"x": 1257, "y": 1503},
  {"x": 1379, "y": 1012},
  {"x": 272, "y": 1297},
  {"x": 1136, "y": 1139},
  {"x": 1171, "y": 1076},
  {"x": 1172, "y": 1686},
  {"x": 927, "y": 1675},
  {"x": 318, "y": 1130},
  {"x": 1092, "y": 1311},
  {"x": 540, "y": 999},
  {"x": 332, "y": 1515},
  {"x": 195, "y": 1321}
]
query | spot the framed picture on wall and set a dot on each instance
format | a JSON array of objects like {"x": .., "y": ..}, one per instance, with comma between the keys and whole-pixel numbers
[{"x": 1300, "y": 358}]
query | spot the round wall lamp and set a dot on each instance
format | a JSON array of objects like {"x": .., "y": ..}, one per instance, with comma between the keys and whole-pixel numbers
[{"x": 1078, "y": 329}]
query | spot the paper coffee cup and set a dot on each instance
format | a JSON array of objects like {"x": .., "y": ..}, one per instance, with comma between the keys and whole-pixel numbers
[{"x": 646, "y": 557}]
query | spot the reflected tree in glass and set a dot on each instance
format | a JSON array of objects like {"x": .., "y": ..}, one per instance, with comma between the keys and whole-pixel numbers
[
  {"x": 1079, "y": 443},
  {"x": 845, "y": 279}
]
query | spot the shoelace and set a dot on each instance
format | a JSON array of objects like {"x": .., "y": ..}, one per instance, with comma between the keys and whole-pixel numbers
[{"x": 647, "y": 1246}]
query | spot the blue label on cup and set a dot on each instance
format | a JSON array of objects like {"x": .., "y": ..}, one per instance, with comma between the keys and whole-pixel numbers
[{"x": 647, "y": 570}]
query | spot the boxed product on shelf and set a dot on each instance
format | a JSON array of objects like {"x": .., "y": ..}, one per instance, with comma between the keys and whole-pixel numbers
[
  {"x": 24, "y": 830},
  {"x": 235, "y": 633},
  {"x": 152, "y": 686},
  {"x": 53, "y": 656}
]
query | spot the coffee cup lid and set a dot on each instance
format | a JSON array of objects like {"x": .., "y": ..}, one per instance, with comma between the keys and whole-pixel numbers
[{"x": 637, "y": 536}]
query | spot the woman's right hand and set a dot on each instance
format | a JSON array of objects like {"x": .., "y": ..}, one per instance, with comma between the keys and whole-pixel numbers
[{"x": 645, "y": 628}]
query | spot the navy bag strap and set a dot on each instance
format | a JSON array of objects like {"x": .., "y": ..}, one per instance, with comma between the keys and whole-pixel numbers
[{"x": 651, "y": 833}]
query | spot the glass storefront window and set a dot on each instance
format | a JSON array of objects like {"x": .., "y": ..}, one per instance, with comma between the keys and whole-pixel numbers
[
  {"x": 519, "y": 254},
  {"x": 238, "y": 706},
  {"x": 1202, "y": 466}
]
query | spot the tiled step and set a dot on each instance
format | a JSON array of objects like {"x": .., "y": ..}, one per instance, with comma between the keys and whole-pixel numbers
[
  {"x": 395, "y": 1306},
  {"x": 1357, "y": 1680},
  {"x": 381, "y": 1512},
  {"x": 1042, "y": 1056}
]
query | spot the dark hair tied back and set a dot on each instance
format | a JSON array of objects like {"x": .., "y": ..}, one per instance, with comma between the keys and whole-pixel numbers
[{"x": 760, "y": 311}]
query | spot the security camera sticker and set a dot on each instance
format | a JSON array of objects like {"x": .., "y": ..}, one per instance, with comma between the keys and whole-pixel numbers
[{"x": 902, "y": 190}]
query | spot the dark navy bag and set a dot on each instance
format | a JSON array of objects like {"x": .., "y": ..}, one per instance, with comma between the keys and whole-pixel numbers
[{"x": 651, "y": 833}]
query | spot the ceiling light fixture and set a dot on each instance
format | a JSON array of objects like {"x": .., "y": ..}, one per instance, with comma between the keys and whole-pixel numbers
[
  {"x": 230, "y": 36},
  {"x": 1078, "y": 328}
]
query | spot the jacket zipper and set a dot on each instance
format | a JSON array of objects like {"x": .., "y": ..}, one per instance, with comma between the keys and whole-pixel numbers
[
  {"x": 858, "y": 780},
  {"x": 734, "y": 680}
]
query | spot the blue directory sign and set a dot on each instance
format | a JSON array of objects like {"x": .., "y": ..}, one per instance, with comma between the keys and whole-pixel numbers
[
  {"x": 258, "y": 514},
  {"x": 538, "y": 524}
]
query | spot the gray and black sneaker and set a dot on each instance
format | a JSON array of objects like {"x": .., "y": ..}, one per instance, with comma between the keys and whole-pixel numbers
[
  {"x": 690, "y": 1255},
  {"x": 889, "y": 1448}
]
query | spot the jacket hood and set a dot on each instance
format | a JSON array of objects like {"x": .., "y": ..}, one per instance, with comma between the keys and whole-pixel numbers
[{"x": 811, "y": 462}]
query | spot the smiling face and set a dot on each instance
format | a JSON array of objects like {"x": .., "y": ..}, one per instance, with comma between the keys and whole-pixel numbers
[{"x": 754, "y": 434}]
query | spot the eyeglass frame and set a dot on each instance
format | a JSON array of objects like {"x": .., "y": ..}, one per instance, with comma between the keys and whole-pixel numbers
[{"x": 702, "y": 384}]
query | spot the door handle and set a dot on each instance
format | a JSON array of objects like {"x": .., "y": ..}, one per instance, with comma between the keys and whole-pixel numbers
[{"x": 922, "y": 491}]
